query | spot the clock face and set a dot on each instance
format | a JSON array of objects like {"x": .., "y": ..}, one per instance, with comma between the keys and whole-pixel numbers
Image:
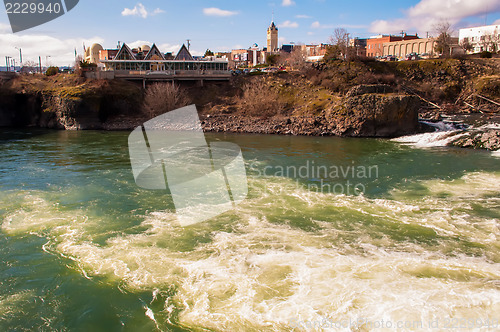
[{"x": 27, "y": 14}]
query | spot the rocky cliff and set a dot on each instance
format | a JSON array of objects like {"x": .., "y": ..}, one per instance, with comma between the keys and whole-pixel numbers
[{"x": 366, "y": 111}]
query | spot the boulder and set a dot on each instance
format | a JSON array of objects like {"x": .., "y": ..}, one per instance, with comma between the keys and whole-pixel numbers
[
  {"x": 366, "y": 112},
  {"x": 480, "y": 138}
]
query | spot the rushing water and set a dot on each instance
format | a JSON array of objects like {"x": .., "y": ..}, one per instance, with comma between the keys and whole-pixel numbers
[{"x": 416, "y": 243}]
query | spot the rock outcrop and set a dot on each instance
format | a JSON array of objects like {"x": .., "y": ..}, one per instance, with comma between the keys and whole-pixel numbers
[
  {"x": 365, "y": 112},
  {"x": 369, "y": 112},
  {"x": 480, "y": 138}
]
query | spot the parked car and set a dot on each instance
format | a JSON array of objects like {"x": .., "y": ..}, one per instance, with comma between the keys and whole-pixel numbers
[
  {"x": 412, "y": 56},
  {"x": 255, "y": 71}
]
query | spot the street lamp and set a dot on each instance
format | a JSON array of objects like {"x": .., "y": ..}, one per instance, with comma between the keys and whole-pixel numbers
[{"x": 20, "y": 55}]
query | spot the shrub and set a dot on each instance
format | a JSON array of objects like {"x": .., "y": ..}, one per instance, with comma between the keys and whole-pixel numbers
[
  {"x": 51, "y": 71},
  {"x": 161, "y": 98},
  {"x": 486, "y": 55},
  {"x": 260, "y": 100},
  {"x": 488, "y": 85}
]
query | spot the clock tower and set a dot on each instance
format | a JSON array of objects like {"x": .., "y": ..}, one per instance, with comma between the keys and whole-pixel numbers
[{"x": 272, "y": 38}]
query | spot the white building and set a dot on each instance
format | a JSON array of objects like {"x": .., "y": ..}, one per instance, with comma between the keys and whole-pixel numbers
[{"x": 484, "y": 38}]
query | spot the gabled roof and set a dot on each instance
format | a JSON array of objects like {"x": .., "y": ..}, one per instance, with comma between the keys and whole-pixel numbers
[
  {"x": 125, "y": 53},
  {"x": 184, "y": 54},
  {"x": 154, "y": 51}
]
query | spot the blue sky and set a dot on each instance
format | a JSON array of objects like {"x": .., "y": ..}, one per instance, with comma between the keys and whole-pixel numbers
[{"x": 222, "y": 25}]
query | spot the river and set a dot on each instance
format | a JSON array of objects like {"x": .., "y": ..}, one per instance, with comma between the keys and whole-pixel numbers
[{"x": 335, "y": 234}]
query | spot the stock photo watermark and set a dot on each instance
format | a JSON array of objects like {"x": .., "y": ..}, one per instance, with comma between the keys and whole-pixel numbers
[
  {"x": 170, "y": 152},
  {"x": 27, "y": 14},
  {"x": 324, "y": 179},
  {"x": 447, "y": 323}
]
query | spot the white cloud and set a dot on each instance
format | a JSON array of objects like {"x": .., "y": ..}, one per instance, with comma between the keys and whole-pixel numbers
[
  {"x": 353, "y": 26},
  {"x": 317, "y": 25},
  {"x": 424, "y": 15},
  {"x": 302, "y": 16},
  {"x": 289, "y": 24},
  {"x": 496, "y": 22},
  {"x": 60, "y": 52},
  {"x": 287, "y": 3},
  {"x": 158, "y": 11},
  {"x": 5, "y": 28},
  {"x": 218, "y": 12},
  {"x": 165, "y": 48},
  {"x": 140, "y": 10}
]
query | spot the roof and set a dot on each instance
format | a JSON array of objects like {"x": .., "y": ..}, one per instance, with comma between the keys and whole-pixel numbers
[
  {"x": 273, "y": 26},
  {"x": 154, "y": 51},
  {"x": 184, "y": 54},
  {"x": 125, "y": 53}
]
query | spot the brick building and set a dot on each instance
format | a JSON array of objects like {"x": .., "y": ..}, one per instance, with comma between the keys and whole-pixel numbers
[{"x": 375, "y": 45}]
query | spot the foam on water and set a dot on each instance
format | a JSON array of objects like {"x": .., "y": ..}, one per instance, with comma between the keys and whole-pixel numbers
[
  {"x": 435, "y": 139},
  {"x": 254, "y": 268}
]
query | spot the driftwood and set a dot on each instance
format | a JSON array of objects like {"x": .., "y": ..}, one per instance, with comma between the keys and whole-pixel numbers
[
  {"x": 466, "y": 103},
  {"x": 422, "y": 98},
  {"x": 477, "y": 108},
  {"x": 491, "y": 101}
]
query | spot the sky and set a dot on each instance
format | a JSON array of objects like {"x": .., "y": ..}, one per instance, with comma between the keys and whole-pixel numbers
[{"x": 223, "y": 25}]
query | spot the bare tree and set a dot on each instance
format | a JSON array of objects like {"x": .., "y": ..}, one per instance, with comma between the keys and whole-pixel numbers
[
  {"x": 161, "y": 98},
  {"x": 298, "y": 57},
  {"x": 340, "y": 39},
  {"x": 29, "y": 67},
  {"x": 443, "y": 40},
  {"x": 466, "y": 45},
  {"x": 490, "y": 41}
]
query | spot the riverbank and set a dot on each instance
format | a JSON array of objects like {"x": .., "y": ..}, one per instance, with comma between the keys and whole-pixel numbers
[{"x": 356, "y": 99}]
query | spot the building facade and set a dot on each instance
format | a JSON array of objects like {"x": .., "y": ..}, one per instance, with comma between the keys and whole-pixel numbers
[
  {"x": 359, "y": 45},
  {"x": 402, "y": 48},
  {"x": 92, "y": 53},
  {"x": 150, "y": 62},
  {"x": 375, "y": 45},
  {"x": 483, "y": 38}
]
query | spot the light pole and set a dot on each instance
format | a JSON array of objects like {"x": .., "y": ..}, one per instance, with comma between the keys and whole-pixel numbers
[{"x": 20, "y": 55}]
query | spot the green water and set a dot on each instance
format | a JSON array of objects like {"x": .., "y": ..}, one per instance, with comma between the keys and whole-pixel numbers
[{"x": 82, "y": 248}]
